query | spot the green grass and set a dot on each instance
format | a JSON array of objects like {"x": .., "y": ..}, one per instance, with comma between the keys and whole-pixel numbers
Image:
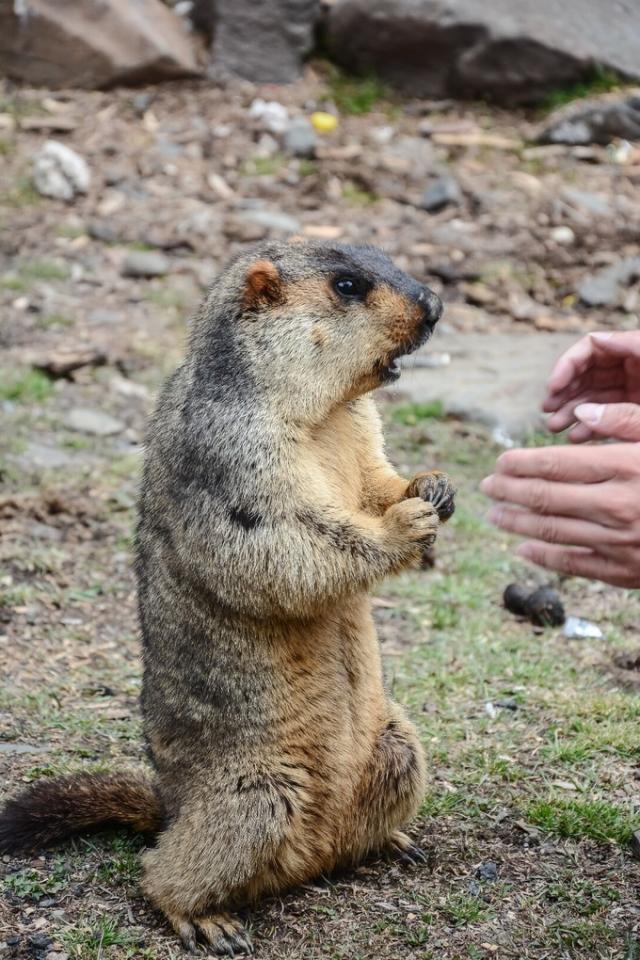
[
  {"x": 21, "y": 194},
  {"x": 31, "y": 884},
  {"x": 263, "y": 166},
  {"x": 583, "y": 739},
  {"x": 438, "y": 804},
  {"x": 75, "y": 443},
  {"x": 307, "y": 168},
  {"x": 43, "y": 270},
  {"x": 410, "y": 414},
  {"x": 632, "y": 948},
  {"x": 120, "y": 861},
  {"x": 52, "y": 320},
  {"x": 585, "y": 937},
  {"x": 596, "y": 819},
  {"x": 355, "y": 95},
  {"x": 584, "y": 897},
  {"x": 167, "y": 298},
  {"x": 28, "y": 273},
  {"x": 70, "y": 232},
  {"x": 30, "y": 387},
  {"x": 11, "y": 281},
  {"x": 600, "y": 80},
  {"x": 90, "y": 941},
  {"x": 19, "y": 107},
  {"x": 357, "y": 196},
  {"x": 461, "y": 909}
]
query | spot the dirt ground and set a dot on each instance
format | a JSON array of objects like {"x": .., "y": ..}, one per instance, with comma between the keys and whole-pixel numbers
[{"x": 531, "y": 738}]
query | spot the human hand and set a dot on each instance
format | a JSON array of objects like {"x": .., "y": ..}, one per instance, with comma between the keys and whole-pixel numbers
[
  {"x": 600, "y": 368},
  {"x": 580, "y": 504}
]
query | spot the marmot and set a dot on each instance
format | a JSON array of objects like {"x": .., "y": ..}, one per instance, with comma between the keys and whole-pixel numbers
[{"x": 268, "y": 511}]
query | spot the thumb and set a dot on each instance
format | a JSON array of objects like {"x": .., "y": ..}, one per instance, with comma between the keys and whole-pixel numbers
[{"x": 621, "y": 421}]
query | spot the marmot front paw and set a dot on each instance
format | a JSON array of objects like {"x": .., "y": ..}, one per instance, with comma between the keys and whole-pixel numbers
[
  {"x": 413, "y": 521},
  {"x": 435, "y": 488}
]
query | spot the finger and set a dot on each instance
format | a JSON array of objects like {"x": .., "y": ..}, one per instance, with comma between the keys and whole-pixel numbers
[
  {"x": 621, "y": 421},
  {"x": 561, "y": 464},
  {"x": 591, "y": 382},
  {"x": 580, "y": 434},
  {"x": 565, "y": 416},
  {"x": 571, "y": 364},
  {"x": 548, "y": 498},
  {"x": 581, "y": 355},
  {"x": 577, "y": 533},
  {"x": 576, "y": 562}
]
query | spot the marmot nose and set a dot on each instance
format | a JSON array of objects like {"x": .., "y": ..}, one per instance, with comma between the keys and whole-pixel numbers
[{"x": 431, "y": 305}]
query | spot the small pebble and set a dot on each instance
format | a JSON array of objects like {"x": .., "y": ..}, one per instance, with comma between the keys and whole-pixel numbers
[
  {"x": 39, "y": 941},
  {"x": 273, "y": 115},
  {"x": 487, "y": 871},
  {"x": 59, "y": 172},
  {"x": 141, "y": 102},
  {"x": 563, "y": 235},
  {"x": 94, "y": 422},
  {"x": 440, "y": 194},
  {"x": 299, "y": 138},
  {"x": 145, "y": 263},
  {"x": 272, "y": 220},
  {"x": 508, "y": 704}
]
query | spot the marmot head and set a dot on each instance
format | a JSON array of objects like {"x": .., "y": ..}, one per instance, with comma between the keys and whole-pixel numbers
[{"x": 315, "y": 323}]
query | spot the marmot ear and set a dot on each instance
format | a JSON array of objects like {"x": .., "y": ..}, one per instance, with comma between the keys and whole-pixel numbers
[{"x": 264, "y": 284}]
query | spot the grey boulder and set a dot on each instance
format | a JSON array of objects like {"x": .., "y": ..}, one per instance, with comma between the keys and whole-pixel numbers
[
  {"x": 514, "y": 51},
  {"x": 264, "y": 42}
]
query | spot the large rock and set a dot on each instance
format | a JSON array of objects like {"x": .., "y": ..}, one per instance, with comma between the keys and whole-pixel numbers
[
  {"x": 511, "y": 50},
  {"x": 92, "y": 43},
  {"x": 264, "y": 42}
]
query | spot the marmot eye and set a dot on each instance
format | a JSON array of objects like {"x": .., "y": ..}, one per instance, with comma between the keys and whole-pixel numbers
[{"x": 352, "y": 288}]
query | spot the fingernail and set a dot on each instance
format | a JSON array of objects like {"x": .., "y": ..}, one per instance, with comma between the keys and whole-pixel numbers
[
  {"x": 590, "y": 413},
  {"x": 602, "y": 335},
  {"x": 487, "y": 484},
  {"x": 525, "y": 551}
]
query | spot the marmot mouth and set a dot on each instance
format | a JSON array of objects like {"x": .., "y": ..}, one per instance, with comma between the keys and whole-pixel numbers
[{"x": 390, "y": 370}]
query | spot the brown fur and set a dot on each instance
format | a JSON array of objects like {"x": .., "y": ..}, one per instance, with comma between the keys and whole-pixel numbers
[{"x": 268, "y": 511}]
